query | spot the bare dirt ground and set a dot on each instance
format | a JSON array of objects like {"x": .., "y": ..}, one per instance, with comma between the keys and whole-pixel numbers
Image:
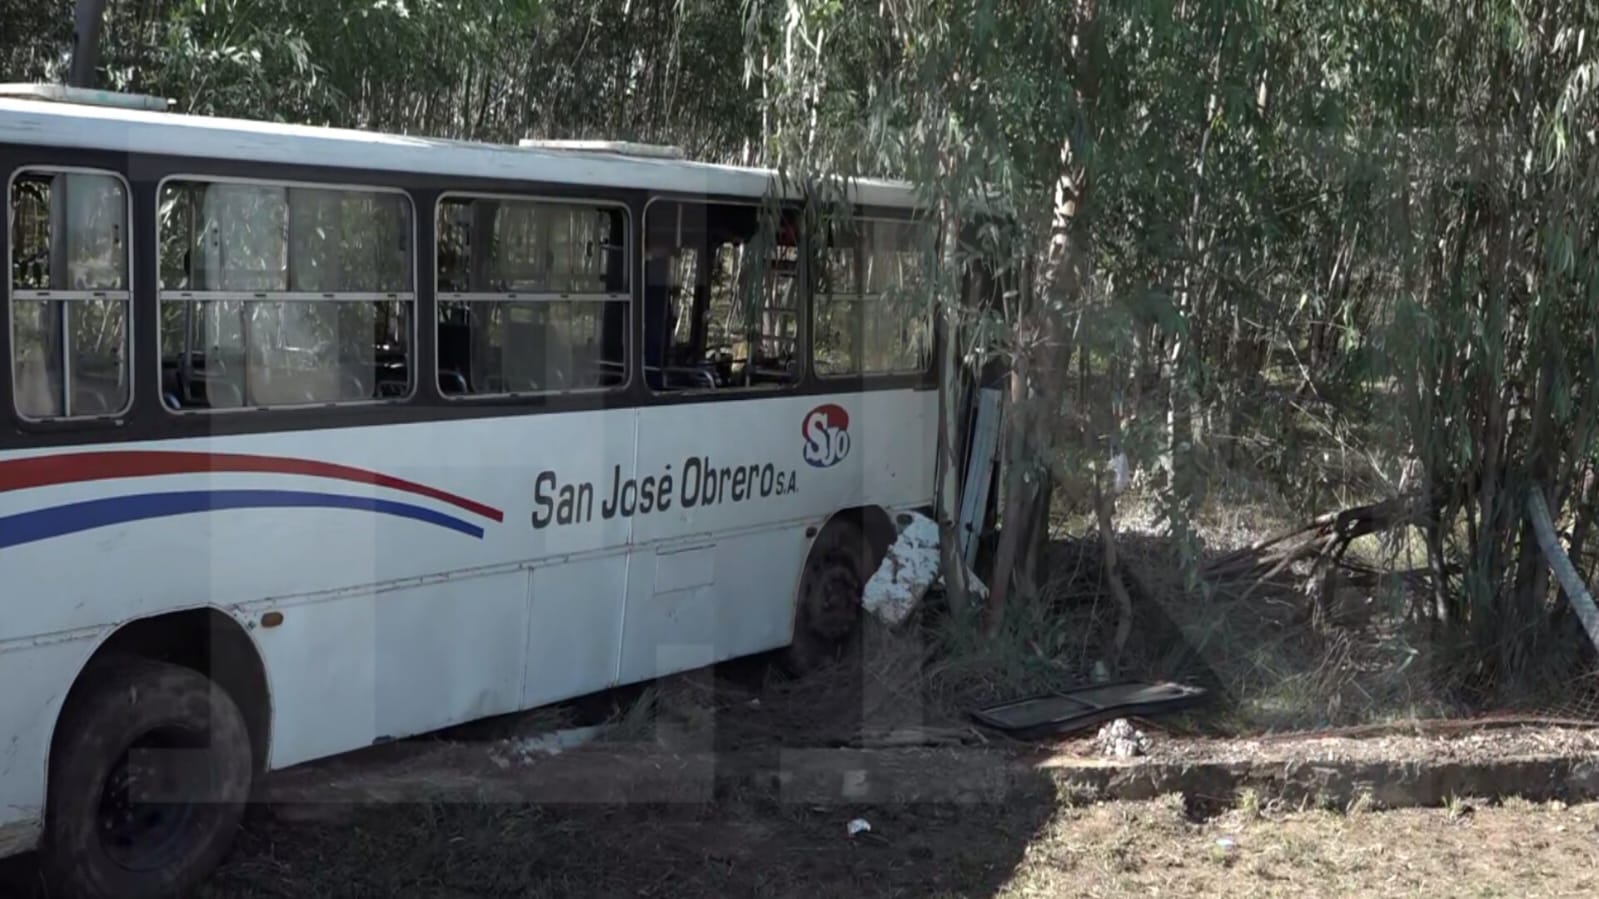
[
  {"x": 1027, "y": 848},
  {"x": 690, "y": 805},
  {"x": 728, "y": 848}
]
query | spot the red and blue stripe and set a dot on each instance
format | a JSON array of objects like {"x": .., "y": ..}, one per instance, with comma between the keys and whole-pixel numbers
[{"x": 78, "y": 468}]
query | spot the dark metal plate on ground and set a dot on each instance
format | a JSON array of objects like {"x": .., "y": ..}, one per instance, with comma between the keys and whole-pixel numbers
[{"x": 1086, "y": 707}]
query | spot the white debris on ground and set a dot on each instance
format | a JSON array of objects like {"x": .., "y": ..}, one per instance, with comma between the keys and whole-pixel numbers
[
  {"x": 1120, "y": 740},
  {"x": 907, "y": 571},
  {"x": 526, "y": 749},
  {"x": 858, "y": 826}
]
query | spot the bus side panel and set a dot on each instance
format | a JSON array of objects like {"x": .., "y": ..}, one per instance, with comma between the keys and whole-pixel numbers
[
  {"x": 408, "y": 608},
  {"x": 714, "y": 573},
  {"x": 281, "y": 517},
  {"x": 574, "y": 632},
  {"x": 321, "y": 674},
  {"x": 893, "y": 448},
  {"x": 34, "y": 679},
  {"x": 701, "y": 600},
  {"x": 758, "y": 575},
  {"x": 450, "y": 652},
  {"x": 347, "y": 672},
  {"x": 737, "y": 467},
  {"x": 113, "y": 550},
  {"x": 670, "y": 620}
]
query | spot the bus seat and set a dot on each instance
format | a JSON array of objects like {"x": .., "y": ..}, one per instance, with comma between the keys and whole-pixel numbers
[
  {"x": 169, "y": 380},
  {"x": 223, "y": 394},
  {"x": 452, "y": 383},
  {"x": 92, "y": 399}
]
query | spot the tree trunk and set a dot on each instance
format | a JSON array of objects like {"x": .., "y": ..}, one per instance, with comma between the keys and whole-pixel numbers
[
  {"x": 952, "y": 564},
  {"x": 85, "y": 42},
  {"x": 1104, "y": 513},
  {"x": 1020, "y": 501},
  {"x": 1064, "y": 284}
]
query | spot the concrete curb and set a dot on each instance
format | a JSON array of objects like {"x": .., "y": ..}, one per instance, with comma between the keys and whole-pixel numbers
[{"x": 1340, "y": 784}]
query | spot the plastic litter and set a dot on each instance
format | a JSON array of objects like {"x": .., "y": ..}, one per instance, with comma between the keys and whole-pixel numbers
[{"x": 525, "y": 749}]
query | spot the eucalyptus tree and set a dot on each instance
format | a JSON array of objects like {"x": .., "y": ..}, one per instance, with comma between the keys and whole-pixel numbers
[
  {"x": 1346, "y": 248},
  {"x": 1257, "y": 233}
]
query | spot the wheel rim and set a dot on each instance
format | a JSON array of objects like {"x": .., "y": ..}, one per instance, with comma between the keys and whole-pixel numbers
[
  {"x": 833, "y": 600},
  {"x": 144, "y": 818}
]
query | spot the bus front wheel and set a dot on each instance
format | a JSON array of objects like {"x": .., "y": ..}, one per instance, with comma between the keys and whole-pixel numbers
[
  {"x": 827, "y": 612},
  {"x": 149, "y": 777}
]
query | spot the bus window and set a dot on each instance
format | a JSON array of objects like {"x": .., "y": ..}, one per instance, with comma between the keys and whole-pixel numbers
[
  {"x": 283, "y": 295},
  {"x": 69, "y": 294},
  {"x": 721, "y": 298},
  {"x": 873, "y": 315},
  {"x": 533, "y": 296}
]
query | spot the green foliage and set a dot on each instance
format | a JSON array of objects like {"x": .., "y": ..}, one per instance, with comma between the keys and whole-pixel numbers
[
  {"x": 650, "y": 70},
  {"x": 1361, "y": 229},
  {"x": 1349, "y": 246}
]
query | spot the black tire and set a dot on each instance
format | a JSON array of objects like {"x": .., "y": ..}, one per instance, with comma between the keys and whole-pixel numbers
[
  {"x": 95, "y": 845},
  {"x": 827, "y": 611}
]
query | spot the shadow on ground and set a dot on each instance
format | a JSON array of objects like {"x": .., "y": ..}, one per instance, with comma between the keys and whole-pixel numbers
[
  {"x": 740, "y": 782},
  {"x": 726, "y": 783}
]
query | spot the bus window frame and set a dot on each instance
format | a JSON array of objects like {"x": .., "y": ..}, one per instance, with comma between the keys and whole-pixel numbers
[
  {"x": 415, "y": 295},
  {"x": 627, "y": 297},
  {"x": 130, "y": 342},
  {"x": 802, "y": 312},
  {"x": 875, "y": 377}
]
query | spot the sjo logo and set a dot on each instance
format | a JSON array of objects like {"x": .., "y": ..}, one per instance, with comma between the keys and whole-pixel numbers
[{"x": 826, "y": 432}]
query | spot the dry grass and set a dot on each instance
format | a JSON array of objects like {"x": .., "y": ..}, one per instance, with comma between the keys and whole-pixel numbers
[{"x": 1117, "y": 849}]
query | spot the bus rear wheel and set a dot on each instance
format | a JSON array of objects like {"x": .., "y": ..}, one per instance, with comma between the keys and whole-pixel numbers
[
  {"x": 827, "y": 614},
  {"x": 149, "y": 777}
]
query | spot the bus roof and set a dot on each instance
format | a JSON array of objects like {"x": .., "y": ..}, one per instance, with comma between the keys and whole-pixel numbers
[{"x": 101, "y": 127}]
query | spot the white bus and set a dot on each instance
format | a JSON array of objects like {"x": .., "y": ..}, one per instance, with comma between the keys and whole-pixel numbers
[{"x": 315, "y": 438}]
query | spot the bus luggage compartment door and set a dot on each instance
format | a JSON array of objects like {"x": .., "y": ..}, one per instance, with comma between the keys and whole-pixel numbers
[{"x": 670, "y": 622}]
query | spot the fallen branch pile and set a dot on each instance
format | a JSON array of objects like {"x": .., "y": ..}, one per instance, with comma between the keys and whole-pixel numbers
[{"x": 1321, "y": 542}]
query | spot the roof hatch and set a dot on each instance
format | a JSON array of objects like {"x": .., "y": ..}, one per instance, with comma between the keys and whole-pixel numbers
[
  {"x": 57, "y": 93},
  {"x": 613, "y": 147}
]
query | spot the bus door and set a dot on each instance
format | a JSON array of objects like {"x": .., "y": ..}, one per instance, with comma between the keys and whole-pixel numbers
[{"x": 716, "y": 536}]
